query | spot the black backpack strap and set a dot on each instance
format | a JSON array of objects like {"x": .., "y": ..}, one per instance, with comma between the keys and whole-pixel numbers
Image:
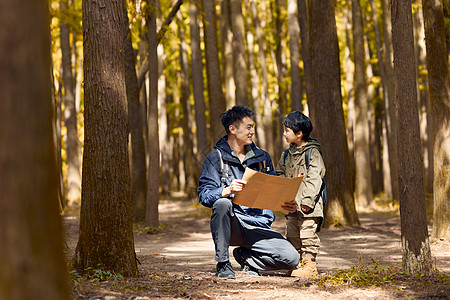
[
  {"x": 307, "y": 158},
  {"x": 285, "y": 154},
  {"x": 224, "y": 169}
]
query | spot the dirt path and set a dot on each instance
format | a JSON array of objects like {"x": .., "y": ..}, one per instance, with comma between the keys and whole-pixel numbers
[{"x": 179, "y": 260}]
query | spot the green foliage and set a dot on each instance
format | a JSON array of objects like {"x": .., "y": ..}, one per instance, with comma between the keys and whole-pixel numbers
[
  {"x": 97, "y": 274},
  {"x": 365, "y": 275},
  {"x": 141, "y": 229}
]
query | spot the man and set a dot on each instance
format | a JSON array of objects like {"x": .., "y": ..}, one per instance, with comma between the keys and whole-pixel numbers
[{"x": 260, "y": 247}]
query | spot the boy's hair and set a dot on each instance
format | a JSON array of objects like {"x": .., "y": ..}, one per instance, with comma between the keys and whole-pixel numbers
[
  {"x": 234, "y": 116},
  {"x": 297, "y": 121}
]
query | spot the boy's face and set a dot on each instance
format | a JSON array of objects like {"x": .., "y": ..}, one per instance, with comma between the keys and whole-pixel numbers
[
  {"x": 244, "y": 131},
  {"x": 292, "y": 137}
]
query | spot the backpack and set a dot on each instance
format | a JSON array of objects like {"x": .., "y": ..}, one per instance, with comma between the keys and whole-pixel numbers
[
  {"x": 225, "y": 171},
  {"x": 323, "y": 187}
]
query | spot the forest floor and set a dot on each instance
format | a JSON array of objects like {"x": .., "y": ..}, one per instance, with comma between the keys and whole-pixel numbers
[{"x": 177, "y": 262}]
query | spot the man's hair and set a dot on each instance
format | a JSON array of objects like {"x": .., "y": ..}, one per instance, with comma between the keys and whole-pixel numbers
[
  {"x": 234, "y": 116},
  {"x": 297, "y": 121}
]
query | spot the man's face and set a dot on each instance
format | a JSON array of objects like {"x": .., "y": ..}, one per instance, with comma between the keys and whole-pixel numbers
[{"x": 244, "y": 131}]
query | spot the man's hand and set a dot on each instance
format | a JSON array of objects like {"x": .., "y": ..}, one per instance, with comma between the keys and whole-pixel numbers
[
  {"x": 306, "y": 209},
  {"x": 290, "y": 206},
  {"x": 236, "y": 186}
]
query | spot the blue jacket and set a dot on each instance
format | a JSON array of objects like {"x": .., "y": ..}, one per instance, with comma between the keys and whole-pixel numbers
[{"x": 210, "y": 188}]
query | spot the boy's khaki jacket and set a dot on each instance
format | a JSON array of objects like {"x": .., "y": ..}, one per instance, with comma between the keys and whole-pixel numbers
[{"x": 294, "y": 165}]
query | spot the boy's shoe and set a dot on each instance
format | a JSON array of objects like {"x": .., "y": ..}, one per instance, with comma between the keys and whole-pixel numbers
[
  {"x": 244, "y": 266},
  {"x": 306, "y": 268},
  {"x": 225, "y": 270}
]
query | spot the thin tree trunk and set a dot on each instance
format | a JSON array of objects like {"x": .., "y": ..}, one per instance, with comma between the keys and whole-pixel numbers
[
  {"x": 70, "y": 117},
  {"x": 415, "y": 244},
  {"x": 328, "y": 100},
  {"x": 363, "y": 183},
  {"x": 425, "y": 120},
  {"x": 191, "y": 170},
  {"x": 152, "y": 215},
  {"x": 135, "y": 122},
  {"x": 106, "y": 239},
  {"x": 305, "y": 45},
  {"x": 197, "y": 84},
  {"x": 349, "y": 71},
  {"x": 294, "y": 37},
  {"x": 439, "y": 87},
  {"x": 216, "y": 97},
  {"x": 265, "y": 133},
  {"x": 389, "y": 108},
  {"x": 239, "y": 55},
  {"x": 31, "y": 251},
  {"x": 226, "y": 37}
]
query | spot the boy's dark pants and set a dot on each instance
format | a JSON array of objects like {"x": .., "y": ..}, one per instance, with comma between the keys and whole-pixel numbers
[{"x": 262, "y": 248}]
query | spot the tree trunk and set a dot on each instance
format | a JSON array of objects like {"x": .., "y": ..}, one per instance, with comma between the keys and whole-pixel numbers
[
  {"x": 415, "y": 245},
  {"x": 265, "y": 132},
  {"x": 438, "y": 80},
  {"x": 226, "y": 37},
  {"x": 305, "y": 45},
  {"x": 152, "y": 215},
  {"x": 390, "y": 121},
  {"x": 274, "y": 124},
  {"x": 106, "y": 228},
  {"x": 294, "y": 37},
  {"x": 73, "y": 147},
  {"x": 426, "y": 132},
  {"x": 203, "y": 147},
  {"x": 363, "y": 183},
  {"x": 239, "y": 55},
  {"x": 216, "y": 97},
  {"x": 327, "y": 100},
  {"x": 349, "y": 71},
  {"x": 138, "y": 164},
  {"x": 31, "y": 251},
  {"x": 191, "y": 170}
]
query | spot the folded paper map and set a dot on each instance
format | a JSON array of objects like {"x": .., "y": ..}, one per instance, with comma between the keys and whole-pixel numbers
[{"x": 267, "y": 191}]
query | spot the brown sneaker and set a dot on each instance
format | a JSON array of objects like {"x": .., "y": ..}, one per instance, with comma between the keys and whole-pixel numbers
[{"x": 306, "y": 268}]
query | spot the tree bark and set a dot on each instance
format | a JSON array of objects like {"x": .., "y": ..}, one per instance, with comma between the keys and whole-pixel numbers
[
  {"x": 31, "y": 252},
  {"x": 327, "y": 100},
  {"x": 215, "y": 93},
  {"x": 415, "y": 244},
  {"x": 152, "y": 214},
  {"x": 226, "y": 38},
  {"x": 203, "y": 147},
  {"x": 390, "y": 151},
  {"x": 363, "y": 183},
  {"x": 305, "y": 45},
  {"x": 294, "y": 37},
  {"x": 73, "y": 146},
  {"x": 135, "y": 122},
  {"x": 191, "y": 170},
  {"x": 438, "y": 84},
  {"x": 239, "y": 55},
  {"x": 106, "y": 228}
]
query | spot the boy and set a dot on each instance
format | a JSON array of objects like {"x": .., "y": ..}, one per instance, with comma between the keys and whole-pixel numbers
[{"x": 303, "y": 225}]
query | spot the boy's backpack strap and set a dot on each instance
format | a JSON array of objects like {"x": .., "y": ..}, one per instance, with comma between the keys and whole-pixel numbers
[
  {"x": 307, "y": 158},
  {"x": 285, "y": 154}
]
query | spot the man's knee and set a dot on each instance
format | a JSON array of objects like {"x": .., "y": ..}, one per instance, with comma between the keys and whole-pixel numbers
[
  {"x": 290, "y": 257},
  {"x": 222, "y": 205}
]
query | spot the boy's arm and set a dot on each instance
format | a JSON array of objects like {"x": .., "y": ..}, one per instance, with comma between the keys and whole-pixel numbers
[
  {"x": 310, "y": 187},
  {"x": 281, "y": 167}
]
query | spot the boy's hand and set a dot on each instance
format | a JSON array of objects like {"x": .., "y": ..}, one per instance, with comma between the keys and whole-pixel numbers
[
  {"x": 306, "y": 209},
  {"x": 236, "y": 186},
  {"x": 290, "y": 206}
]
